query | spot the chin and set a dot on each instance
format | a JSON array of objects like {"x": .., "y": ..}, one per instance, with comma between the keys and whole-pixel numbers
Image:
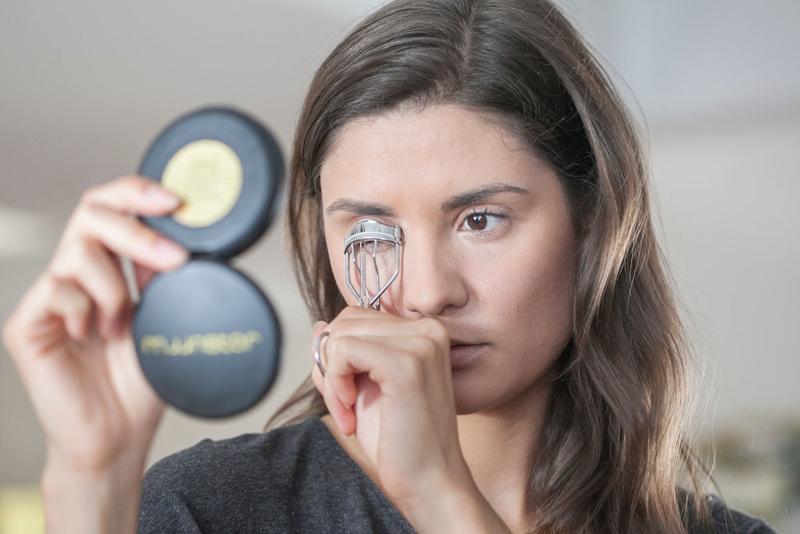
[
  {"x": 486, "y": 394},
  {"x": 476, "y": 397}
]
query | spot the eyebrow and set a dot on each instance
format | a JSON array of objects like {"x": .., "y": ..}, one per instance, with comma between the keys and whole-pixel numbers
[
  {"x": 372, "y": 209},
  {"x": 364, "y": 209},
  {"x": 479, "y": 195}
]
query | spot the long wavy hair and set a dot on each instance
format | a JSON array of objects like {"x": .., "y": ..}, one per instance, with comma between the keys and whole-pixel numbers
[{"x": 615, "y": 442}]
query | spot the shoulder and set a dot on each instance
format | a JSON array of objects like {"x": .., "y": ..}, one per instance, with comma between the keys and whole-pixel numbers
[
  {"x": 220, "y": 460},
  {"x": 213, "y": 480},
  {"x": 726, "y": 520}
]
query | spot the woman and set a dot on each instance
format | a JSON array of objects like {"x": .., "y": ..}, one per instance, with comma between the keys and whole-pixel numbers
[{"x": 527, "y": 371}]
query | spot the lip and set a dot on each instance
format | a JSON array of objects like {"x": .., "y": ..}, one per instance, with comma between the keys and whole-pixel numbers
[{"x": 463, "y": 353}]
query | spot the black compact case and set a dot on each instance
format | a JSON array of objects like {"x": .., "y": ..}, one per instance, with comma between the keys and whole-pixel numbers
[{"x": 207, "y": 337}]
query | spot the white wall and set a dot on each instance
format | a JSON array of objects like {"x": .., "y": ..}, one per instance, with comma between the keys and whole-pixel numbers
[{"x": 729, "y": 199}]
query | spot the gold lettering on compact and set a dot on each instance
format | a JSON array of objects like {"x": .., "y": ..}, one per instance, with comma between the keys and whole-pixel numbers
[{"x": 210, "y": 344}]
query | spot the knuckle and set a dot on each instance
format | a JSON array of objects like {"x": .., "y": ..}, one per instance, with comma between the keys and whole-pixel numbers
[
  {"x": 83, "y": 304},
  {"x": 113, "y": 298},
  {"x": 142, "y": 233},
  {"x": 47, "y": 282},
  {"x": 89, "y": 195},
  {"x": 69, "y": 261},
  {"x": 135, "y": 231},
  {"x": 137, "y": 184},
  {"x": 409, "y": 368},
  {"x": 117, "y": 299},
  {"x": 50, "y": 284},
  {"x": 85, "y": 217},
  {"x": 82, "y": 250},
  {"x": 429, "y": 347},
  {"x": 335, "y": 345},
  {"x": 345, "y": 318},
  {"x": 434, "y": 329},
  {"x": 55, "y": 288},
  {"x": 344, "y": 326}
]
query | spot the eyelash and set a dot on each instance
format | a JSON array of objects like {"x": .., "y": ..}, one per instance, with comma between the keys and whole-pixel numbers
[{"x": 486, "y": 213}]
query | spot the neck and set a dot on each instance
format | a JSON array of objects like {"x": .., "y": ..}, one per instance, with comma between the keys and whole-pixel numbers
[{"x": 500, "y": 446}]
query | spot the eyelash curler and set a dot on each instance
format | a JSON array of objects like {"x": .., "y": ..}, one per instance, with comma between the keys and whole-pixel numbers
[{"x": 366, "y": 253}]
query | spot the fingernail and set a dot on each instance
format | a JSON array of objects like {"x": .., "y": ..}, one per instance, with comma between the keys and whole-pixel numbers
[
  {"x": 171, "y": 251},
  {"x": 162, "y": 196}
]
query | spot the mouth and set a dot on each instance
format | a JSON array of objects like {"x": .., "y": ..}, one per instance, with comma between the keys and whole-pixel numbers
[{"x": 462, "y": 353}]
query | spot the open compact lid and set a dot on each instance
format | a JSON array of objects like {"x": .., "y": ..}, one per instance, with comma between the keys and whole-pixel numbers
[{"x": 228, "y": 170}]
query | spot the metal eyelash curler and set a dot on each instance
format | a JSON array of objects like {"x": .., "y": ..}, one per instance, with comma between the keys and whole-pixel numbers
[{"x": 368, "y": 247}]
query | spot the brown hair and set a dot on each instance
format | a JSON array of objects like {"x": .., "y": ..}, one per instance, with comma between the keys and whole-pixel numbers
[{"x": 615, "y": 440}]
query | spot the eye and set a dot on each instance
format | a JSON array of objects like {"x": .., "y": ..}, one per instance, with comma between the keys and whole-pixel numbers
[{"x": 482, "y": 221}]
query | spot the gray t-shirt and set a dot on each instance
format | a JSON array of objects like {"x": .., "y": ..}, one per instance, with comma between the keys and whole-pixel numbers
[{"x": 291, "y": 479}]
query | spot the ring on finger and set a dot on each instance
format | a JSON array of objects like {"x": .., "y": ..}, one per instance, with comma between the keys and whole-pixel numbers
[{"x": 317, "y": 357}]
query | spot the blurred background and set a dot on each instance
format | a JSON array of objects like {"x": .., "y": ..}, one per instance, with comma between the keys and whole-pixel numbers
[{"x": 85, "y": 85}]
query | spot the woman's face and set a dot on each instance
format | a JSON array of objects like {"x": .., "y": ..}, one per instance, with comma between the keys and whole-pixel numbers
[{"x": 489, "y": 248}]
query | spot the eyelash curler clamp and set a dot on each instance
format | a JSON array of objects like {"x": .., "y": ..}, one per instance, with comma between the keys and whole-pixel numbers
[{"x": 367, "y": 245}]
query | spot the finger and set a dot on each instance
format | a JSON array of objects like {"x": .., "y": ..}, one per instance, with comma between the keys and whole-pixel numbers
[
  {"x": 126, "y": 236},
  {"x": 67, "y": 301},
  {"x": 51, "y": 307},
  {"x": 133, "y": 194},
  {"x": 91, "y": 266},
  {"x": 316, "y": 374},
  {"x": 339, "y": 374},
  {"x": 136, "y": 392},
  {"x": 396, "y": 364},
  {"x": 356, "y": 321},
  {"x": 344, "y": 416},
  {"x": 143, "y": 275}
]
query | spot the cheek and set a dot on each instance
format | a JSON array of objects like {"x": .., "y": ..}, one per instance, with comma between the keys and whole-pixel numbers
[
  {"x": 336, "y": 257},
  {"x": 531, "y": 293}
]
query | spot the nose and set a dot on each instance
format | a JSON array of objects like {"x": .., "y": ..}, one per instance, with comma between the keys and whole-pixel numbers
[{"x": 431, "y": 279}]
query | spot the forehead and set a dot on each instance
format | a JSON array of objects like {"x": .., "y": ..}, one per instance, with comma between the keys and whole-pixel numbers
[{"x": 436, "y": 149}]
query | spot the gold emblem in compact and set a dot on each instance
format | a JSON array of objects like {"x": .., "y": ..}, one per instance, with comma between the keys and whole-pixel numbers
[
  {"x": 209, "y": 343},
  {"x": 207, "y": 176}
]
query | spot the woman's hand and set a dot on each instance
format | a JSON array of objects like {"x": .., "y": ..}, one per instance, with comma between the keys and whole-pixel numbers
[
  {"x": 389, "y": 381},
  {"x": 71, "y": 342}
]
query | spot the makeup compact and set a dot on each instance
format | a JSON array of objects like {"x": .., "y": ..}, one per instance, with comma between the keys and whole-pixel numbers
[{"x": 207, "y": 337}]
